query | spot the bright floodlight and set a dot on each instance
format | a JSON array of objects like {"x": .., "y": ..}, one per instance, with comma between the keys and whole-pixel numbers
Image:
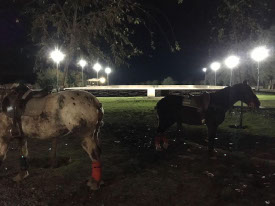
[
  {"x": 204, "y": 69},
  {"x": 97, "y": 67},
  {"x": 102, "y": 80},
  {"x": 232, "y": 61},
  {"x": 259, "y": 53},
  {"x": 215, "y": 66},
  {"x": 57, "y": 56},
  {"x": 82, "y": 63},
  {"x": 108, "y": 70}
]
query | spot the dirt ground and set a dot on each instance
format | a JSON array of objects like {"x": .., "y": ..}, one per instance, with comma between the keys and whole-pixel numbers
[{"x": 134, "y": 174}]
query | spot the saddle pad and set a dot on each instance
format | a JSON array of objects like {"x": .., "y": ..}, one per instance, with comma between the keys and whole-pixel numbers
[
  {"x": 200, "y": 102},
  {"x": 35, "y": 106},
  {"x": 190, "y": 103}
]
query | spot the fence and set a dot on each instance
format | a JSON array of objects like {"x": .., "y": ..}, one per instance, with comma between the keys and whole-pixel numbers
[{"x": 145, "y": 90}]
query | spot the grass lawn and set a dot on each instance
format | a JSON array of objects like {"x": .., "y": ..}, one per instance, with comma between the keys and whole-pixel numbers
[{"x": 135, "y": 174}]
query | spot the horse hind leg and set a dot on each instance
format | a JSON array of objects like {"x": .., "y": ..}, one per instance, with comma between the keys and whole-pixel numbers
[
  {"x": 91, "y": 145},
  {"x": 24, "y": 166},
  {"x": 163, "y": 126}
]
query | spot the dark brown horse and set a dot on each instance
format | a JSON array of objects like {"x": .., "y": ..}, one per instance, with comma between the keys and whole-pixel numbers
[{"x": 204, "y": 109}]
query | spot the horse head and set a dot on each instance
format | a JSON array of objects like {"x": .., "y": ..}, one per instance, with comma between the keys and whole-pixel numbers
[{"x": 247, "y": 95}]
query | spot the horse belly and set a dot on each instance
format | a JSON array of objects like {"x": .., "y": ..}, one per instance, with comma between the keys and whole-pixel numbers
[
  {"x": 191, "y": 116},
  {"x": 68, "y": 112}
]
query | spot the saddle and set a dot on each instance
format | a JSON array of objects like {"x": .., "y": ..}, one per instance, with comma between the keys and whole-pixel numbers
[
  {"x": 14, "y": 104},
  {"x": 198, "y": 102}
]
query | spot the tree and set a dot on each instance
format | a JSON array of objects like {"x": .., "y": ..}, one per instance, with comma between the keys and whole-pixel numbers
[
  {"x": 238, "y": 27},
  {"x": 47, "y": 77},
  {"x": 168, "y": 81},
  {"x": 98, "y": 30}
]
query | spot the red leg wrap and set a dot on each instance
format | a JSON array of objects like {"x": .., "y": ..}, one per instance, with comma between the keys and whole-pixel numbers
[
  {"x": 164, "y": 139},
  {"x": 96, "y": 171},
  {"x": 157, "y": 140}
]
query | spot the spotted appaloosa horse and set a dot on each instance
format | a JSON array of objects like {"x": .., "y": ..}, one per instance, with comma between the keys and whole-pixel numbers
[
  {"x": 53, "y": 116},
  {"x": 172, "y": 109}
]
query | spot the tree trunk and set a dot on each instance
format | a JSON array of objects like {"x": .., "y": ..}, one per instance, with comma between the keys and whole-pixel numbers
[
  {"x": 71, "y": 46},
  {"x": 66, "y": 66}
]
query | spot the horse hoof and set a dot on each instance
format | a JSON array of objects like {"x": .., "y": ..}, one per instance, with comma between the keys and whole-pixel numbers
[
  {"x": 101, "y": 182},
  {"x": 94, "y": 185},
  {"x": 165, "y": 145},
  {"x": 158, "y": 148},
  {"x": 21, "y": 175}
]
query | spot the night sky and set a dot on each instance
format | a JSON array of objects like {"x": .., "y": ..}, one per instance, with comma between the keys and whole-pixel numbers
[
  {"x": 190, "y": 23},
  {"x": 191, "y": 28}
]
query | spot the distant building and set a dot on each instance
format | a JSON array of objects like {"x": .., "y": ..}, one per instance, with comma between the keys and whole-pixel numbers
[{"x": 95, "y": 82}]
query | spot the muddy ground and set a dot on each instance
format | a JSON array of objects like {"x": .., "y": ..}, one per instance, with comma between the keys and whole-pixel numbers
[{"x": 135, "y": 174}]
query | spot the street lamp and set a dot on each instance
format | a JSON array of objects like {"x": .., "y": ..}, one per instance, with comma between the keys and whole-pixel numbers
[
  {"x": 57, "y": 56},
  {"x": 108, "y": 71},
  {"x": 97, "y": 67},
  {"x": 231, "y": 62},
  {"x": 204, "y": 70},
  {"x": 82, "y": 63},
  {"x": 259, "y": 54},
  {"x": 102, "y": 80},
  {"x": 215, "y": 66}
]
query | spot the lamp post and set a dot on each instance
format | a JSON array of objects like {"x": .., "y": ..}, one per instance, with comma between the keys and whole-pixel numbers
[
  {"x": 102, "y": 80},
  {"x": 97, "y": 67},
  {"x": 108, "y": 71},
  {"x": 259, "y": 54},
  {"x": 57, "y": 56},
  {"x": 204, "y": 70},
  {"x": 231, "y": 62},
  {"x": 82, "y": 63},
  {"x": 215, "y": 66}
]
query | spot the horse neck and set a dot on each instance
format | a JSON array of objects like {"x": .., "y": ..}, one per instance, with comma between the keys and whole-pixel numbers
[{"x": 224, "y": 98}]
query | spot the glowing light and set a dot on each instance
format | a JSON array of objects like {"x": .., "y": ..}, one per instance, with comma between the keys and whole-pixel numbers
[
  {"x": 215, "y": 66},
  {"x": 82, "y": 63},
  {"x": 204, "y": 69},
  {"x": 102, "y": 80},
  {"x": 108, "y": 70},
  {"x": 97, "y": 67},
  {"x": 259, "y": 53},
  {"x": 57, "y": 56},
  {"x": 232, "y": 61}
]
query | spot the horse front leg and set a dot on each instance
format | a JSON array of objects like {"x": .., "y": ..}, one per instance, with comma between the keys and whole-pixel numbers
[
  {"x": 24, "y": 165},
  {"x": 91, "y": 145}
]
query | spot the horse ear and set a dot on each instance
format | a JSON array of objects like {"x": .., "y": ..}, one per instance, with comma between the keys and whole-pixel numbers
[{"x": 245, "y": 82}]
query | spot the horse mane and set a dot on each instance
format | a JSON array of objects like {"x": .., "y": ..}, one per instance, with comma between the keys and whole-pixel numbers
[{"x": 221, "y": 97}]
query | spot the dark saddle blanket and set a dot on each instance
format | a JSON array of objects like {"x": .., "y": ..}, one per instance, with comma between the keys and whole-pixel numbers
[
  {"x": 201, "y": 102},
  {"x": 18, "y": 103},
  {"x": 21, "y": 101}
]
